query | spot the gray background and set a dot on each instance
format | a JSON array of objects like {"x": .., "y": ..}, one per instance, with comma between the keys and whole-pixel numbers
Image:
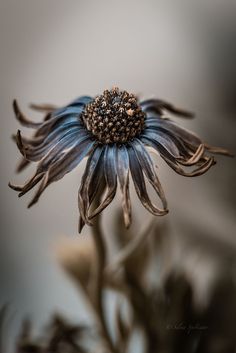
[{"x": 53, "y": 51}]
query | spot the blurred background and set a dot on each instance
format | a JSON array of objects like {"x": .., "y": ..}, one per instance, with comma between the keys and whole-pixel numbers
[{"x": 53, "y": 51}]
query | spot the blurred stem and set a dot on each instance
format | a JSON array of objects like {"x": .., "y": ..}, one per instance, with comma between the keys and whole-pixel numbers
[
  {"x": 99, "y": 279},
  {"x": 130, "y": 248}
]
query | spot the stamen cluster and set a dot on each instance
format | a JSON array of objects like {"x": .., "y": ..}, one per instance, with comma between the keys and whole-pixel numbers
[{"x": 114, "y": 117}]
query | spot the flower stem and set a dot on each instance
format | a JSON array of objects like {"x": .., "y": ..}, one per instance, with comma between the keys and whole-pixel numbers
[{"x": 99, "y": 281}]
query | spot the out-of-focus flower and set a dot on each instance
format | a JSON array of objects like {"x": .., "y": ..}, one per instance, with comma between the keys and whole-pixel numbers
[
  {"x": 78, "y": 259},
  {"x": 113, "y": 130}
]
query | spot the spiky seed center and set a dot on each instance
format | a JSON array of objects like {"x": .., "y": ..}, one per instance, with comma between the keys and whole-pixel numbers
[{"x": 114, "y": 117}]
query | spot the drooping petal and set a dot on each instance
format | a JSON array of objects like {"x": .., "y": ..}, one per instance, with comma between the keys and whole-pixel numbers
[
  {"x": 148, "y": 168},
  {"x": 158, "y": 105},
  {"x": 203, "y": 168},
  {"x": 185, "y": 145},
  {"x": 81, "y": 100},
  {"x": 110, "y": 177},
  {"x": 53, "y": 156},
  {"x": 139, "y": 183},
  {"x": 22, "y": 118},
  {"x": 96, "y": 187},
  {"x": 195, "y": 158},
  {"x": 37, "y": 153},
  {"x": 22, "y": 189},
  {"x": 74, "y": 108},
  {"x": 48, "y": 108},
  {"x": 218, "y": 150},
  {"x": 22, "y": 165},
  {"x": 173, "y": 163},
  {"x": 172, "y": 145},
  {"x": 73, "y": 138},
  {"x": 63, "y": 166},
  {"x": 57, "y": 122},
  {"x": 122, "y": 166},
  {"x": 88, "y": 190},
  {"x": 70, "y": 113},
  {"x": 187, "y": 136}
]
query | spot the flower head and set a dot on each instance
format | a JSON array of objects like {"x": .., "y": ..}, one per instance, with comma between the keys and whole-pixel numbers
[{"x": 114, "y": 130}]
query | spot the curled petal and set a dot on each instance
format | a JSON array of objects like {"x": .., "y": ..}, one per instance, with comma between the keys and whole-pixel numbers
[
  {"x": 56, "y": 121},
  {"x": 164, "y": 145},
  {"x": 63, "y": 166},
  {"x": 22, "y": 165},
  {"x": 196, "y": 172},
  {"x": 158, "y": 105},
  {"x": 95, "y": 187},
  {"x": 53, "y": 156},
  {"x": 94, "y": 161},
  {"x": 22, "y": 118},
  {"x": 140, "y": 186},
  {"x": 22, "y": 189},
  {"x": 175, "y": 130},
  {"x": 36, "y": 153},
  {"x": 32, "y": 142},
  {"x": 184, "y": 134},
  {"x": 218, "y": 150},
  {"x": 195, "y": 157},
  {"x": 173, "y": 163},
  {"x": 81, "y": 100},
  {"x": 168, "y": 142},
  {"x": 110, "y": 177},
  {"x": 67, "y": 143},
  {"x": 148, "y": 168},
  {"x": 20, "y": 144},
  {"x": 122, "y": 165},
  {"x": 48, "y": 108}
]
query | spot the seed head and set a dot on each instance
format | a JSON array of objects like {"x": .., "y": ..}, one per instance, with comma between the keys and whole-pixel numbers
[{"x": 114, "y": 117}]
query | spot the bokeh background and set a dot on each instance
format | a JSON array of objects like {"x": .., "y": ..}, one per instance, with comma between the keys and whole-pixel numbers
[{"x": 52, "y": 52}]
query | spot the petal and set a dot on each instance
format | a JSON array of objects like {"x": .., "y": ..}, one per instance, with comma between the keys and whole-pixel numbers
[
  {"x": 206, "y": 163},
  {"x": 55, "y": 136},
  {"x": 110, "y": 177},
  {"x": 47, "y": 162},
  {"x": 218, "y": 150},
  {"x": 37, "y": 153},
  {"x": 22, "y": 164},
  {"x": 95, "y": 161},
  {"x": 63, "y": 166},
  {"x": 22, "y": 189},
  {"x": 195, "y": 158},
  {"x": 185, "y": 142},
  {"x": 158, "y": 105},
  {"x": 22, "y": 118},
  {"x": 81, "y": 100},
  {"x": 158, "y": 147},
  {"x": 176, "y": 130},
  {"x": 48, "y": 108},
  {"x": 74, "y": 108},
  {"x": 203, "y": 168},
  {"x": 139, "y": 183},
  {"x": 122, "y": 166},
  {"x": 56, "y": 122},
  {"x": 71, "y": 139},
  {"x": 148, "y": 168},
  {"x": 170, "y": 144}
]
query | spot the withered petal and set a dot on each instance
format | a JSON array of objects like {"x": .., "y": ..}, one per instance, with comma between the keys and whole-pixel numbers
[
  {"x": 110, "y": 177},
  {"x": 149, "y": 170},
  {"x": 140, "y": 187},
  {"x": 122, "y": 166}
]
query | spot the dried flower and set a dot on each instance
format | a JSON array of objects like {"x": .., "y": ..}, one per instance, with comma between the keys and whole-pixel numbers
[{"x": 112, "y": 130}]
